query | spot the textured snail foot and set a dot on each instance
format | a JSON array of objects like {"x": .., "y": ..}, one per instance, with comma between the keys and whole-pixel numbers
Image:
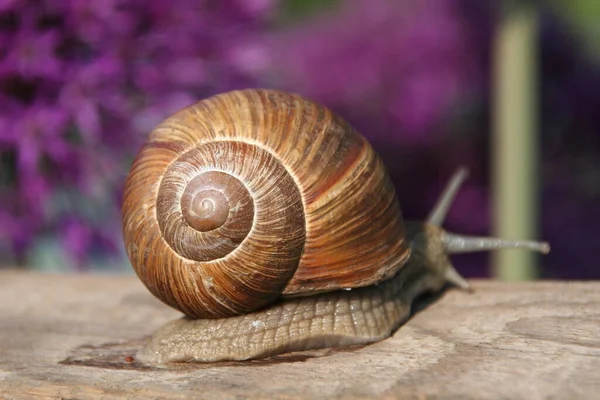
[
  {"x": 182, "y": 341},
  {"x": 330, "y": 320},
  {"x": 263, "y": 335}
]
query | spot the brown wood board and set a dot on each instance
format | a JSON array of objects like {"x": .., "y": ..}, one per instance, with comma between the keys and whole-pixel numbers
[{"x": 70, "y": 337}]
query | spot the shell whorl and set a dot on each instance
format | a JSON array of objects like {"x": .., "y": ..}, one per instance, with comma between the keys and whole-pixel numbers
[
  {"x": 241, "y": 253},
  {"x": 251, "y": 195}
]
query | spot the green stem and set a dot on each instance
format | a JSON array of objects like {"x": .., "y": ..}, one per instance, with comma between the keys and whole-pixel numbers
[{"x": 514, "y": 151}]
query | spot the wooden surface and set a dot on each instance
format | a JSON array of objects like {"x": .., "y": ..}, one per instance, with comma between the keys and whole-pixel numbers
[{"x": 69, "y": 337}]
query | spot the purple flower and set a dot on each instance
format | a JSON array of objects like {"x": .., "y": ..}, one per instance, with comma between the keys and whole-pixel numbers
[
  {"x": 96, "y": 23},
  {"x": 32, "y": 55}
]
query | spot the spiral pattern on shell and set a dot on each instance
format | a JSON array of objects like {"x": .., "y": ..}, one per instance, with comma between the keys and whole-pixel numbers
[{"x": 252, "y": 195}]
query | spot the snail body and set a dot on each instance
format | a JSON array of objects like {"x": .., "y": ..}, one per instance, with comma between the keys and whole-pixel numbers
[
  {"x": 273, "y": 225},
  {"x": 335, "y": 319}
]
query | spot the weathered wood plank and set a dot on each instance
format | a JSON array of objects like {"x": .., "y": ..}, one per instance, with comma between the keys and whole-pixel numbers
[{"x": 517, "y": 341}]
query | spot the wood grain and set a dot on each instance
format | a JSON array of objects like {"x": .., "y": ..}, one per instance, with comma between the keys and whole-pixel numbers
[{"x": 70, "y": 337}]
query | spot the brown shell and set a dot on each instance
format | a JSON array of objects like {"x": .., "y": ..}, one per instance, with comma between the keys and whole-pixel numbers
[{"x": 250, "y": 195}]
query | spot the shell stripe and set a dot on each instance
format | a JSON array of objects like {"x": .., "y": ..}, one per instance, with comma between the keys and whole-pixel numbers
[{"x": 325, "y": 215}]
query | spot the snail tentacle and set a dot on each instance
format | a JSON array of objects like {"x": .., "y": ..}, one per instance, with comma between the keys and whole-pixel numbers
[{"x": 440, "y": 210}]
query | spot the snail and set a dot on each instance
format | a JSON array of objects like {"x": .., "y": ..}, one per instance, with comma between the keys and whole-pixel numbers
[{"x": 274, "y": 227}]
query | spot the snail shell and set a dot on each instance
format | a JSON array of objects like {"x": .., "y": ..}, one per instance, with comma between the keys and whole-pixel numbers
[{"x": 253, "y": 195}]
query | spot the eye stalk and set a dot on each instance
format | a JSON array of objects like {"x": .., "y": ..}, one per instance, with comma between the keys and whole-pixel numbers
[{"x": 432, "y": 244}]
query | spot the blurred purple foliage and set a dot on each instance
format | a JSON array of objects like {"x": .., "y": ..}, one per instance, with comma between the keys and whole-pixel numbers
[
  {"x": 82, "y": 84},
  {"x": 391, "y": 64}
]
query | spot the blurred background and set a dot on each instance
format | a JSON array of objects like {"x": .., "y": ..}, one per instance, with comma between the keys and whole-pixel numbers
[{"x": 432, "y": 84}]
